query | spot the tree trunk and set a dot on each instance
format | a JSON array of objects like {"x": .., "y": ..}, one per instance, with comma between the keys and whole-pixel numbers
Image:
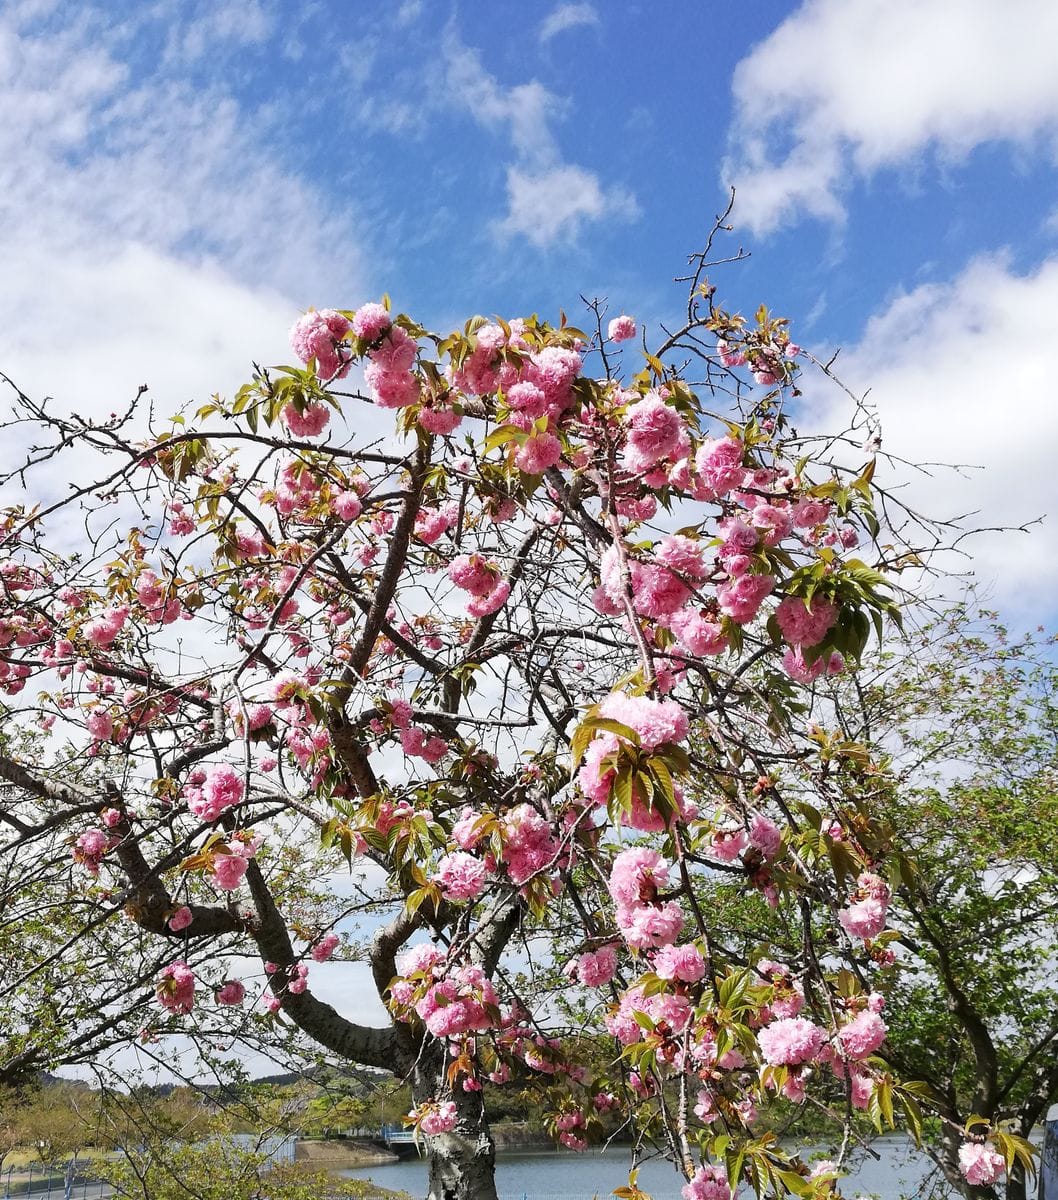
[
  {"x": 462, "y": 1163},
  {"x": 950, "y": 1141}
]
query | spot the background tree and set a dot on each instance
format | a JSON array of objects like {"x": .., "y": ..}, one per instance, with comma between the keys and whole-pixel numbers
[
  {"x": 956, "y": 726},
  {"x": 473, "y": 658},
  {"x": 170, "y": 1147},
  {"x": 975, "y": 804}
]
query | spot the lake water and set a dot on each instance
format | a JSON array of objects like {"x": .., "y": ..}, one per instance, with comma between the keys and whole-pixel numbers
[{"x": 563, "y": 1175}]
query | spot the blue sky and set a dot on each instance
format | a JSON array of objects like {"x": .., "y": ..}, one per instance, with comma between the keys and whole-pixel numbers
[{"x": 179, "y": 179}]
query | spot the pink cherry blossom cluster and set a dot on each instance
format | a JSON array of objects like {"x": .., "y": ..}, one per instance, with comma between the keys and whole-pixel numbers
[
  {"x": 324, "y": 949},
  {"x": 529, "y": 844},
  {"x": 449, "y": 999},
  {"x": 434, "y": 1117},
  {"x": 645, "y": 921},
  {"x": 308, "y": 421},
  {"x": 292, "y": 978},
  {"x": 389, "y": 372},
  {"x": 790, "y": 1041},
  {"x": 805, "y": 624},
  {"x": 865, "y": 915},
  {"x": 209, "y": 793},
  {"x": 801, "y": 671},
  {"x": 981, "y": 1164},
  {"x": 90, "y": 847},
  {"x": 669, "y": 1012},
  {"x": 483, "y": 580},
  {"x": 656, "y": 723},
  {"x": 319, "y": 336},
  {"x": 683, "y": 964},
  {"x": 595, "y": 968},
  {"x": 102, "y": 631},
  {"x": 766, "y": 358},
  {"x": 567, "y": 1124},
  {"x": 416, "y": 743},
  {"x": 228, "y": 863},
  {"x": 788, "y": 996},
  {"x": 175, "y": 988},
  {"x": 432, "y": 523},
  {"x": 709, "y": 1183},
  {"x": 158, "y": 605},
  {"x": 461, "y": 875},
  {"x": 862, "y": 1036}
]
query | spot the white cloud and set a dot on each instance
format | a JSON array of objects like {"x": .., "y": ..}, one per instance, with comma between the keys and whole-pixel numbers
[
  {"x": 962, "y": 372},
  {"x": 227, "y": 24},
  {"x": 840, "y": 90},
  {"x": 552, "y": 204},
  {"x": 87, "y": 159},
  {"x": 98, "y": 324},
  {"x": 409, "y": 12},
  {"x": 548, "y": 199},
  {"x": 525, "y": 109},
  {"x": 147, "y": 233},
  {"x": 567, "y": 16}
]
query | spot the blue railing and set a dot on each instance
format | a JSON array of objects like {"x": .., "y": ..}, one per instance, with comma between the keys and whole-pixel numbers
[
  {"x": 396, "y": 1135},
  {"x": 38, "y": 1182}
]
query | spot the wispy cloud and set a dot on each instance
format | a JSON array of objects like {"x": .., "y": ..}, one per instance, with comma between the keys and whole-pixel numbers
[
  {"x": 409, "y": 12},
  {"x": 149, "y": 230},
  {"x": 548, "y": 199},
  {"x": 222, "y": 24},
  {"x": 550, "y": 204},
  {"x": 841, "y": 90},
  {"x": 567, "y": 16}
]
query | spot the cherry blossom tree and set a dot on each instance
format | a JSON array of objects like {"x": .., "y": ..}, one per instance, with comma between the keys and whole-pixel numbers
[{"x": 545, "y": 658}]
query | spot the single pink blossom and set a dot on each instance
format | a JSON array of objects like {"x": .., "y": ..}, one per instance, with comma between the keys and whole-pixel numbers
[
  {"x": 790, "y": 1041},
  {"x": 981, "y": 1164},
  {"x": 370, "y": 321},
  {"x": 653, "y": 431},
  {"x": 180, "y": 919},
  {"x": 325, "y": 947},
  {"x": 228, "y": 871},
  {"x": 538, "y": 453},
  {"x": 310, "y": 422},
  {"x": 175, "y": 988},
  {"x": 765, "y": 836},
  {"x": 346, "y": 506},
  {"x": 230, "y": 993},
  {"x": 863, "y": 1035},
  {"x": 621, "y": 329},
  {"x": 461, "y": 875}
]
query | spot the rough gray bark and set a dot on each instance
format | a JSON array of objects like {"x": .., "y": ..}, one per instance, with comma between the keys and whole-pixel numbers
[{"x": 462, "y": 1164}]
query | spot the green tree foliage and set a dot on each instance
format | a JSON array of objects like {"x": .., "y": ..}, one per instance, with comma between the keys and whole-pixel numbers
[
  {"x": 945, "y": 759},
  {"x": 216, "y": 1170}
]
